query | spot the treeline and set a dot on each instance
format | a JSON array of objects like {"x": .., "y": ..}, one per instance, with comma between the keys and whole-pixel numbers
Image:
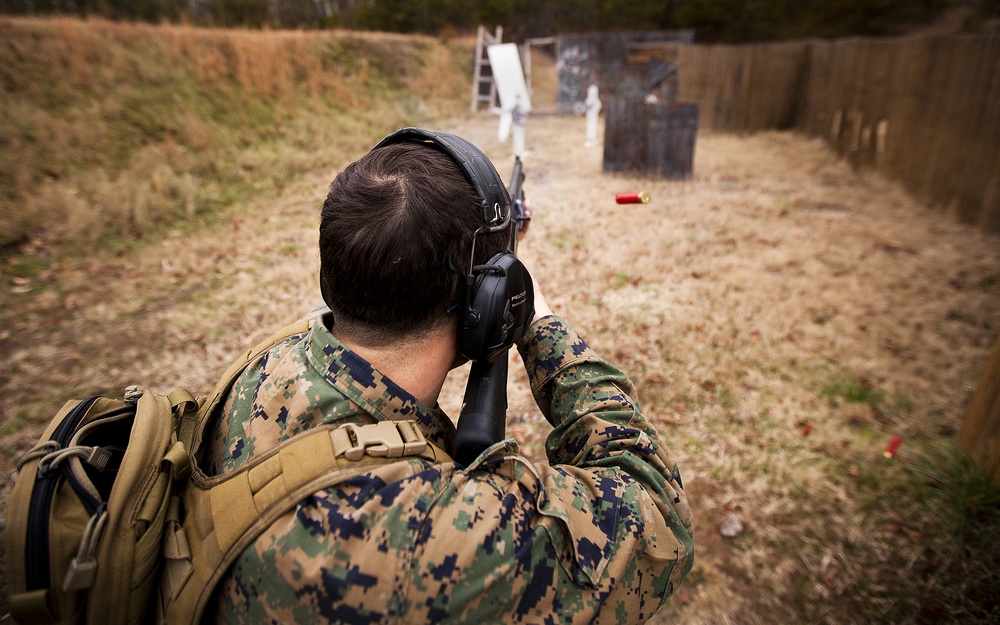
[{"x": 712, "y": 20}]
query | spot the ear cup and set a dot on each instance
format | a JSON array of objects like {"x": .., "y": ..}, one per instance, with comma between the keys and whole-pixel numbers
[{"x": 502, "y": 304}]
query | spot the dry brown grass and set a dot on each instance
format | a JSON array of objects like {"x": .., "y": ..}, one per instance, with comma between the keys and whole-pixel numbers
[
  {"x": 113, "y": 130},
  {"x": 776, "y": 289}
]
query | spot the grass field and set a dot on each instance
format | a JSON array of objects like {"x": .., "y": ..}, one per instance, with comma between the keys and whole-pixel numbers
[
  {"x": 782, "y": 316},
  {"x": 112, "y": 131}
]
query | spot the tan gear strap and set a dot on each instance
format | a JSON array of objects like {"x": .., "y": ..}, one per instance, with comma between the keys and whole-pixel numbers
[
  {"x": 240, "y": 498},
  {"x": 226, "y": 514}
]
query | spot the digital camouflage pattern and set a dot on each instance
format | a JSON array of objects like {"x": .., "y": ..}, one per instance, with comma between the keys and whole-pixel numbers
[{"x": 600, "y": 534}]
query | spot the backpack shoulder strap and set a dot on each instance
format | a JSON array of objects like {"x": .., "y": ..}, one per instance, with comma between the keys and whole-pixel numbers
[{"x": 192, "y": 428}]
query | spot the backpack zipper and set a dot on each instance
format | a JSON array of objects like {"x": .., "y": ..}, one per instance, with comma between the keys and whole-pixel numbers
[
  {"x": 91, "y": 503},
  {"x": 36, "y": 548}
]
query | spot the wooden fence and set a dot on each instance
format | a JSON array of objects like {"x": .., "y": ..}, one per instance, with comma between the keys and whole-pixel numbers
[
  {"x": 922, "y": 110},
  {"x": 745, "y": 88}
]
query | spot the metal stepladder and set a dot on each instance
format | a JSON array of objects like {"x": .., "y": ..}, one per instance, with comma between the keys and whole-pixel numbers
[{"x": 484, "y": 89}]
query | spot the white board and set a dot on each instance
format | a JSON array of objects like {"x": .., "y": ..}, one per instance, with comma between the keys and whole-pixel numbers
[{"x": 508, "y": 76}]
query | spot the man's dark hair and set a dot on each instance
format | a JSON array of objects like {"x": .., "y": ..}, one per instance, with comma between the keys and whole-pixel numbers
[{"x": 395, "y": 239}]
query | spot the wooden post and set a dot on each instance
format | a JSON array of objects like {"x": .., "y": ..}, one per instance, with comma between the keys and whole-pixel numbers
[
  {"x": 625, "y": 136},
  {"x": 980, "y": 431}
]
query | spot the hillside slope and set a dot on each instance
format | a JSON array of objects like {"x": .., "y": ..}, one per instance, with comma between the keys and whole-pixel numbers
[{"x": 113, "y": 129}]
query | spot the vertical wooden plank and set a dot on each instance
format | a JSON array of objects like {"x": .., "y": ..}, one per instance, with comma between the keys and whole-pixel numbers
[
  {"x": 861, "y": 92},
  {"x": 855, "y": 92},
  {"x": 891, "y": 61},
  {"x": 724, "y": 95},
  {"x": 931, "y": 114},
  {"x": 815, "y": 113},
  {"x": 818, "y": 116},
  {"x": 989, "y": 156},
  {"x": 742, "y": 122},
  {"x": 907, "y": 125},
  {"x": 776, "y": 67},
  {"x": 980, "y": 431},
  {"x": 736, "y": 102},
  {"x": 946, "y": 98},
  {"x": 723, "y": 71},
  {"x": 751, "y": 93},
  {"x": 960, "y": 113},
  {"x": 894, "y": 111},
  {"x": 718, "y": 90},
  {"x": 876, "y": 97},
  {"x": 671, "y": 132},
  {"x": 762, "y": 86},
  {"x": 799, "y": 63},
  {"x": 830, "y": 91},
  {"x": 977, "y": 187},
  {"x": 835, "y": 97},
  {"x": 803, "y": 114},
  {"x": 990, "y": 141},
  {"x": 624, "y": 136},
  {"x": 727, "y": 104}
]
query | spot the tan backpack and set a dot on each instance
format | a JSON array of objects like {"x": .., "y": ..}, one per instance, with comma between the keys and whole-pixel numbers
[{"x": 111, "y": 521}]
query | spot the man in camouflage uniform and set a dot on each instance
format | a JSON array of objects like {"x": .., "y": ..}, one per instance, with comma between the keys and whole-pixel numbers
[{"x": 600, "y": 534}]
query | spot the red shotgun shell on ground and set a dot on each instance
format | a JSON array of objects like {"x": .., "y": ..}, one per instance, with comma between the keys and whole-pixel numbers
[
  {"x": 890, "y": 450},
  {"x": 642, "y": 197}
]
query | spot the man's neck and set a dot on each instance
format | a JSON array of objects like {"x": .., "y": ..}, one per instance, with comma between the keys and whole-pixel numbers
[{"x": 418, "y": 365}]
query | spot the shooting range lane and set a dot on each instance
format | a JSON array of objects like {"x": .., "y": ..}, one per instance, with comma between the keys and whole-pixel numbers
[
  {"x": 737, "y": 301},
  {"x": 744, "y": 303}
]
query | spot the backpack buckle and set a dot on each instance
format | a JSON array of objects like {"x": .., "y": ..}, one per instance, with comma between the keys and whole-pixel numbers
[{"x": 385, "y": 439}]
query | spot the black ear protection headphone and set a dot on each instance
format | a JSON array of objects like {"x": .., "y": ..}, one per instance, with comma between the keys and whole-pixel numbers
[{"x": 498, "y": 302}]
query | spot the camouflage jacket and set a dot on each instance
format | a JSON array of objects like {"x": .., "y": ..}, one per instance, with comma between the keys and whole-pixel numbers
[{"x": 601, "y": 533}]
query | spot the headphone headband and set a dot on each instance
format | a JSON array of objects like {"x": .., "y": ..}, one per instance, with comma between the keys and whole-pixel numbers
[{"x": 477, "y": 167}]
